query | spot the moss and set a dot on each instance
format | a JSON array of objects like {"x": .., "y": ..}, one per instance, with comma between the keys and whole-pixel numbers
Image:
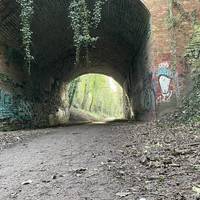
[
  {"x": 193, "y": 52},
  {"x": 189, "y": 111},
  {"x": 191, "y": 103}
]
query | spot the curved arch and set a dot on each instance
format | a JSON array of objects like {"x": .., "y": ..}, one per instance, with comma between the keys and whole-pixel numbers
[
  {"x": 125, "y": 101},
  {"x": 121, "y": 51},
  {"x": 103, "y": 69}
]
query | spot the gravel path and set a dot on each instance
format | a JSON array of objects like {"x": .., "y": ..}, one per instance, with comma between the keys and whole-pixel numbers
[{"x": 102, "y": 162}]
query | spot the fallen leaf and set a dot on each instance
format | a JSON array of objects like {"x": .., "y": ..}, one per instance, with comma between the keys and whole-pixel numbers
[
  {"x": 27, "y": 182},
  {"x": 196, "y": 189},
  {"x": 123, "y": 194},
  {"x": 54, "y": 177}
]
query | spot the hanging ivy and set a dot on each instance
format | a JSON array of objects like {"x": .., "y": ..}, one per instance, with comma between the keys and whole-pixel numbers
[
  {"x": 83, "y": 21},
  {"x": 97, "y": 13},
  {"x": 27, "y": 11}
]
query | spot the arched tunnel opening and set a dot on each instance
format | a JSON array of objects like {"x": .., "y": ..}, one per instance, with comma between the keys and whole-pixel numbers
[
  {"x": 97, "y": 98},
  {"x": 121, "y": 52}
]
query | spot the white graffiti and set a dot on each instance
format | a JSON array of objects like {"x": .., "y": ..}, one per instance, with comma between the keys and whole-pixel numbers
[
  {"x": 165, "y": 77},
  {"x": 165, "y": 87}
]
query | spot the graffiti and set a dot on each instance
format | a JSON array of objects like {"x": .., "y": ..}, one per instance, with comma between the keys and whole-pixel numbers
[
  {"x": 24, "y": 110},
  {"x": 163, "y": 69},
  {"x": 148, "y": 93},
  {"x": 149, "y": 102},
  {"x": 14, "y": 107},
  {"x": 7, "y": 99},
  {"x": 165, "y": 88}
]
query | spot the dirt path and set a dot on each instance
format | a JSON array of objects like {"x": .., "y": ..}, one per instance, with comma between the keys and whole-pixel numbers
[{"x": 102, "y": 162}]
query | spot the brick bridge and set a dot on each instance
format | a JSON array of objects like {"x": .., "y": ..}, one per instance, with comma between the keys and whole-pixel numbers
[{"x": 134, "y": 48}]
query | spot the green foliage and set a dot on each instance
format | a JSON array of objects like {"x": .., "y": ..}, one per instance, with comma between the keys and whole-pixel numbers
[
  {"x": 189, "y": 111},
  {"x": 95, "y": 94},
  {"x": 97, "y": 13},
  {"x": 83, "y": 23},
  {"x": 191, "y": 104},
  {"x": 180, "y": 16},
  {"x": 26, "y": 14},
  {"x": 72, "y": 89},
  {"x": 172, "y": 22},
  {"x": 171, "y": 19},
  {"x": 192, "y": 54}
]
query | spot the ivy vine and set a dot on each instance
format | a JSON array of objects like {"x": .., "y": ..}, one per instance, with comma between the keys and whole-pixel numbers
[
  {"x": 83, "y": 22},
  {"x": 27, "y": 11},
  {"x": 176, "y": 16},
  {"x": 172, "y": 23}
]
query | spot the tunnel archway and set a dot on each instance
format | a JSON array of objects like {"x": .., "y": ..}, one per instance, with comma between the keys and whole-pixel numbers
[
  {"x": 97, "y": 97},
  {"x": 121, "y": 52}
]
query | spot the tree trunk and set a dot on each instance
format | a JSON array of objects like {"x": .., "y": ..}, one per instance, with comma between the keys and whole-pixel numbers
[
  {"x": 85, "y": 96},
  {"x": 72, "y": 91}
]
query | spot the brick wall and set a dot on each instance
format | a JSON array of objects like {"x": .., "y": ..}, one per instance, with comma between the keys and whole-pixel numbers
[
  {"x": 15, "y": 110},
  {"x": 155, "y": 55},
  {"x": 170, "y": 83},
  {"x": 161, "y": 38}
]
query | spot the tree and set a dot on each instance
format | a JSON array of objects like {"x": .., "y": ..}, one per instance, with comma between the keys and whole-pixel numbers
[{"x": 72, "y": 90}]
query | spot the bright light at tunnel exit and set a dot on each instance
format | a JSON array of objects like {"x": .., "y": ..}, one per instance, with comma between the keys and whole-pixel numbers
[{"x": 112, "y": 84}]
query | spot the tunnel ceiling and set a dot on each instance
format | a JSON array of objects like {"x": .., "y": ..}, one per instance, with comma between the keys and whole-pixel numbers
[{"x": 121, "y": 33}]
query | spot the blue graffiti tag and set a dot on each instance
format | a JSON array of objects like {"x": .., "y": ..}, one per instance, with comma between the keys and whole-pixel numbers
[
  {"x": 14, "y": 107},
  {"x": 163, "y": 71}
]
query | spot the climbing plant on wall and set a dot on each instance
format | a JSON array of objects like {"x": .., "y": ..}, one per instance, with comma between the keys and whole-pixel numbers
[
  {"x": 27, "y": 11},
  {"x": 177, "y": 16},
  {"x": 191, "y": 103},
  {"x": 175, "y": 21},
  {"x": 83, "y": 22},
  {"x": 172, "y": 23}
]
